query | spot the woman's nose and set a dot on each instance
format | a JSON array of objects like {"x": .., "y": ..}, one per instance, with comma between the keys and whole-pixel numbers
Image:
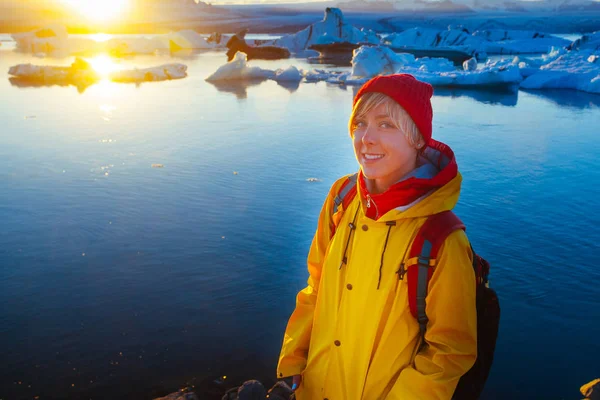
[{"x": 370, "y": 135}]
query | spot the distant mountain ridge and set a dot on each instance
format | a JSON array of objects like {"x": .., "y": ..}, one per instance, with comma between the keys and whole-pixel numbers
[{"x": 462, "y": 6}]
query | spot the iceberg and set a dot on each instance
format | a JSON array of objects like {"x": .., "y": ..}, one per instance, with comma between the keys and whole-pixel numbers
[
  {"x": 451, "y": 40},
  {"x": 333, "y": 27},
  {"x": 587, "y": 42},
  {"x": 479, "y": 44},
  {"x": 499, "y": 35},
  {"x": 290, "y": 74},
  {"x": 576, "y": 70},
  {"x": 369, "y": 61},
  {"x": 153, "y": 74},
  {"x": 46, "y": 40},
  {"x": 519, "y": 41},
  {"x": 80, "y": 73},
  {"x": 470, "y": 64},
  {"x": 525, "y": 46},
  {"x": 238, "y": 69}
]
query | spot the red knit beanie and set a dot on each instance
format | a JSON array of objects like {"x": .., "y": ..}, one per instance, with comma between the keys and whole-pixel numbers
[{"x": 412, "y": 95}]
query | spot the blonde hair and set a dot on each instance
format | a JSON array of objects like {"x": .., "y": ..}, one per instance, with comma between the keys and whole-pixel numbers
[{"x": 400, "y": 118}]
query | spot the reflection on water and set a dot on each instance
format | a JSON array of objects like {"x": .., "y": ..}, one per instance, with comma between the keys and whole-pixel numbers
[
  {"x": 568, "y": 98},
  {"x": 104, "y": 65},
  {"x": 237, "y": 87},
  {"x": 486, "y": 96}
]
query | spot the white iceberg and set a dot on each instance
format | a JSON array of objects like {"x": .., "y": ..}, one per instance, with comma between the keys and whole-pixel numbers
[
  {"x": 238, "y": 69},
  {"x": 290, "y": 74},
  {"x": 470, "y": 64},
  {"x": 480, "y": 43},
  {"x": 428, "y": 38},
  {"x": 369, "y": 61},
  {"x": 587, "y": 42},
  {"x": 153, "y": 74},
  {"x": 500, "y": 35},
  {"x": 497, "y": 75},
  {"x": 519, "y": 41},
  {"x": 80, "y": 73},
  {"x": 333, "y": 27},
  {"x": 525, "y": 46},
  {"x": 49, "y": 39},
  {"x": 573, "y": 70}
]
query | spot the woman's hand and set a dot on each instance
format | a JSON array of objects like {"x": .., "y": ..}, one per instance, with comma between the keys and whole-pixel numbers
[{"x": 296, "y": 381}]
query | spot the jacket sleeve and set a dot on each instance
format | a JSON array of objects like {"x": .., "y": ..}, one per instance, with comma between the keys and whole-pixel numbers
[
  {"x": 296, "y": 340},
  {"x": 451, "y": 335}
]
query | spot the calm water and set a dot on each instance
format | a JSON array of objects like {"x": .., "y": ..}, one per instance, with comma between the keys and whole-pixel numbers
[{"x": 122, "y": 280}]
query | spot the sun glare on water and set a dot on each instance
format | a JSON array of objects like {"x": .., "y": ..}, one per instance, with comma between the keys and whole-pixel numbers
[
  {"x": 103, "y": 65},
  {"x": 99, "y": 10}
]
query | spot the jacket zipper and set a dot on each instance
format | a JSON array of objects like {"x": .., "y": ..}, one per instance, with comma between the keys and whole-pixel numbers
[{"x": 369, "y": 201}]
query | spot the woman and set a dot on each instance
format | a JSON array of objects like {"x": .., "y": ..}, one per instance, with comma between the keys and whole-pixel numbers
[{"x": 352, "y": 334}]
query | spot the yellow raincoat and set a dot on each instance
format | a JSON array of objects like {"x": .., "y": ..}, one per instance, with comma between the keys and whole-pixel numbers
[{"x": 350, "y": 340}]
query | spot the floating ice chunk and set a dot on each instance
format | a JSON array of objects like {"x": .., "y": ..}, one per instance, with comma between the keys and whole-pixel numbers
[
  {"x": 519, "y": 41},
  {"x": 80, "y": 73},
  {"x": 524, "y": 46},
  {"x": 290, "y": 74},
  {"x": 490, "y": 76},
  {"x": 317, "y": 75},
  {"x": 153, "y": 74},
  {"x": 470, "y": 64},
  {"x": 46, "y": 40},
  {"x": 428, "y": 38},
  {"x": 333, "y": 26},
  {"x": 498, "y": 35},
  {"x": 238, "y": 69},
  {"x": 587, "y": 42},
  {"x": 369, "y": 61},
  {"x": 433, "y": 64},
  {"x": 572, "y": 70},
  {"x": 480, "y": 42}
]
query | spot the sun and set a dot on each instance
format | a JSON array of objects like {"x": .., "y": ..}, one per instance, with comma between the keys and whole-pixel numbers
[{"x": 99, "y": 10}]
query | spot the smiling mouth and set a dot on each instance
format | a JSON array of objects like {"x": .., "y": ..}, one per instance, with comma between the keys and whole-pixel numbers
[{"x": 372, "y": 157}]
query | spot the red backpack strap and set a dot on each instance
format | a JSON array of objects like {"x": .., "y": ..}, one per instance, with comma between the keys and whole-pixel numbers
[
  {"x": 343, "y": 198},
  {"x": 422, "y": 260}
]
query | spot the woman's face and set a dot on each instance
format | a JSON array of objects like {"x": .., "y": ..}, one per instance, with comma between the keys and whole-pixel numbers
[{"x": 382, "y": 150}]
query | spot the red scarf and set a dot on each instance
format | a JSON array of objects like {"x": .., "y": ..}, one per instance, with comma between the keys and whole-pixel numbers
[{"x": 409, "y": 190}]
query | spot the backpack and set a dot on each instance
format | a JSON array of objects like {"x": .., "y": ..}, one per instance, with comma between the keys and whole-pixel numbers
[{"x": 424, "y": 248}]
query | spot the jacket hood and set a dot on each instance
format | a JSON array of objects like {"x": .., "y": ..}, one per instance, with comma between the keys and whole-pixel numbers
[{"x": 433, "y": 187}]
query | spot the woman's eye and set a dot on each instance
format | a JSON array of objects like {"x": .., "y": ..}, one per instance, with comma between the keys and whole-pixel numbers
[
  {"x": 385, "y": 125},
  {"x": 359, "y": 124}
]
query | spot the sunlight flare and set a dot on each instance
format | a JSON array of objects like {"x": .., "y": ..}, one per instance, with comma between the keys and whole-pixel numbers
[
  {"x": 103, "y": 65},
  {"x": 99, "y": 11}
]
